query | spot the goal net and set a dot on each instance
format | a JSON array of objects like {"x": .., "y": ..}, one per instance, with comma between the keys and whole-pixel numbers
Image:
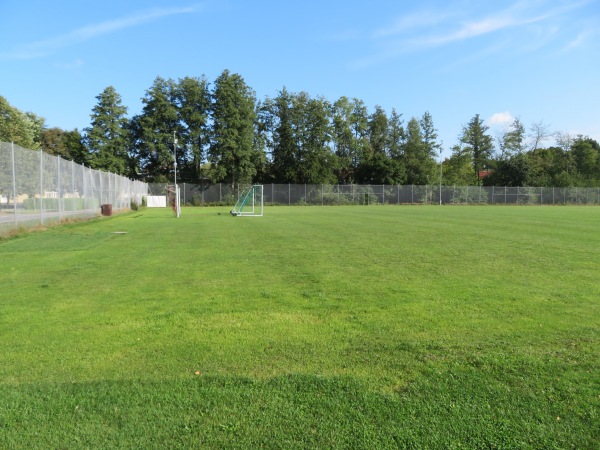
[
  {"x": 173, "y": 199},
  {"x": 250, "y": 202}
]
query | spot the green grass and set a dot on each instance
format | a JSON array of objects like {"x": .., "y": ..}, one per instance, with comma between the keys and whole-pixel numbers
[{"x": 330, "y": 327}]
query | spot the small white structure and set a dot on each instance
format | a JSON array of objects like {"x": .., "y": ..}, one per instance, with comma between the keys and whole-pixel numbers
[{"x": 156, "y": 201}]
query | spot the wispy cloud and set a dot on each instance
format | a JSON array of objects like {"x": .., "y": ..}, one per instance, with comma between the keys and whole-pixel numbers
[
  {"x": 579, "y": 41},
  {"x": 412, "y": 21},
  {"x": 469, "y": 29},
  {"x": 412, "y": 32},
  {"x": 70, "y": 65},
  {"x": 49, "y": 46}
]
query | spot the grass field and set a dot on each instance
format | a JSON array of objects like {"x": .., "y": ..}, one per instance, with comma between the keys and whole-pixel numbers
[{"x": 311, "y": 327}]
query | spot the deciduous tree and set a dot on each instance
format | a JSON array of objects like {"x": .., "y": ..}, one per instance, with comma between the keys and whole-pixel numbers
[
  {"x": 512, "y": 141},
  {"x": 23, "y": 129},
  {"x": 417, "y": 158},
  {"x": 193, "y": 99},
  {"x": 343, "y": 139},
  {"x": 67, "y": 144}
]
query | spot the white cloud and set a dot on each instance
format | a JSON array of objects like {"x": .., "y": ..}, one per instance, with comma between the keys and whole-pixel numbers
[
  {"x": 48, "y": 46},
  {"x": 500, "y": 119}
]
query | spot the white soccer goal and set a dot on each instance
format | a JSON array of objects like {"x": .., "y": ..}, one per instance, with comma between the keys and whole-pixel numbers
[{"x": 250, "y": 202}]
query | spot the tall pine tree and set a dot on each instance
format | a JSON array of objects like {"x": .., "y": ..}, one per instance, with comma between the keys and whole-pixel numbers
[
  {"x": 107, "y": 139},
  {"x": 477, "y": 144}
]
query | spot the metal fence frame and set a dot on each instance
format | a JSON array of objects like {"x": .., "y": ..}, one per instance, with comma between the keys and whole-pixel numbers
[
  {"x": 40, "y": 189},
  {"x": 322, "y": 194}
]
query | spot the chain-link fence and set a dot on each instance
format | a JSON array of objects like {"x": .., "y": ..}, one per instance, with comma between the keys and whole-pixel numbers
[
  {"x": 307, "y": 194},
  {"x": 41, "y": 189}
]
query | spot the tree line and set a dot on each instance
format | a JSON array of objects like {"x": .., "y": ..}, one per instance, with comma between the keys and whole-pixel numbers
[{"x": 221, "y": 133}]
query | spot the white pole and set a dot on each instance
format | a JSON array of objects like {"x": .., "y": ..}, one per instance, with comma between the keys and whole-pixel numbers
[
  {"x": 175, "y": 156},
  {"x": 41, "y": 187},
  {"x": 441, "y": 165},
  {"x": 72, "y": 188},
  {"x": 59, "y": 192},
  {"x": 175, "y": 170},
  {"x": 14, "y": 177}
]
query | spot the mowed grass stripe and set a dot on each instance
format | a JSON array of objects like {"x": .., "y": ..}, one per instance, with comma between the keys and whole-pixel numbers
[{"x": 427, "y": 313}]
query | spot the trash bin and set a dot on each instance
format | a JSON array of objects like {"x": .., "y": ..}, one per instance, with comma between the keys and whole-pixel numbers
[{"x": 106, "y": 209}]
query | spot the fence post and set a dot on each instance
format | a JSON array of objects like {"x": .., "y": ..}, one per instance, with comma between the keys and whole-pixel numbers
[
  {"x": 58, "y": 190},
  {"x": 84, "y": 172},
  {"x": 587, "y": 196},
  {"x": 72, "y": 188},
  {"x": 14, "y": 177},
  {"x": 289, "y": 194},
  {"x": 41, "y": 187}
]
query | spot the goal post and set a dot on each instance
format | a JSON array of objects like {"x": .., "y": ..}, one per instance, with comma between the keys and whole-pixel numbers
[
  {"x": 250, "y": 202},
  {"x": 174, "y": 199}
]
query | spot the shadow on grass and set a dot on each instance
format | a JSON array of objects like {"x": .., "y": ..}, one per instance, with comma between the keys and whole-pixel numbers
[{"x": 459, "y": 409}]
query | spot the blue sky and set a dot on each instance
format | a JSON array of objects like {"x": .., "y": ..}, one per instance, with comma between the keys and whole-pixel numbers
[{"x": 535, "y": 59}]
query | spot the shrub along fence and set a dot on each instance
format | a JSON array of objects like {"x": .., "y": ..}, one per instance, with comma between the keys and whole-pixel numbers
[
  {"x": 308, "y": 194},
  {"x": 41, "y": 189}
]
